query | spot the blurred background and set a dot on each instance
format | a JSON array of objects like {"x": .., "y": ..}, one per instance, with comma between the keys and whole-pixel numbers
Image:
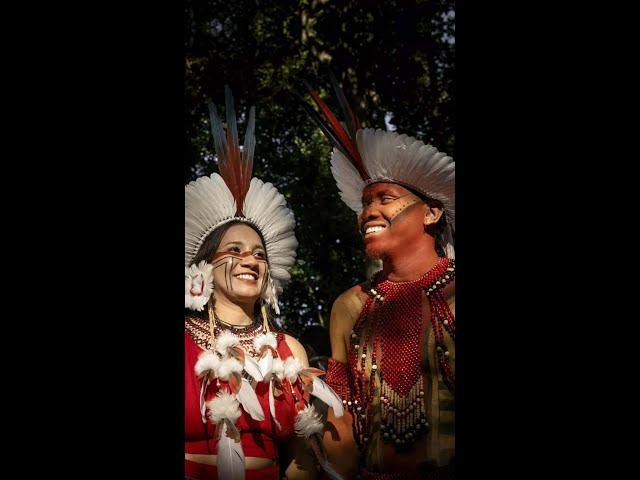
[{"x": 395, "y": 62}]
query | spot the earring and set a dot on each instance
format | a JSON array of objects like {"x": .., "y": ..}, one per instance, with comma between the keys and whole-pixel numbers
[
  {"x": 212, "y": 322},
  {"x": 265, "y": 316}
]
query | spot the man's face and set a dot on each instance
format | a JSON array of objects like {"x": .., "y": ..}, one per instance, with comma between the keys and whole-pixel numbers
[{"x": 391, "y": 220}]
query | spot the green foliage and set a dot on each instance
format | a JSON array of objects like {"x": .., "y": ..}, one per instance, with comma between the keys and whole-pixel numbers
[{"x": 393, "y": 58}]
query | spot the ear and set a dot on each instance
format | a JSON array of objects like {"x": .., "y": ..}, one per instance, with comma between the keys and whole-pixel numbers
[{"x": 432, "y": 215}]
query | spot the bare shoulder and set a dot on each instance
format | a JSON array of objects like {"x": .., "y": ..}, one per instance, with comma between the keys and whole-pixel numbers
[
  {"x": 349, "y": 304},
  {"x": 344, "y": 314},
  {"x": 297, "y": 349}
]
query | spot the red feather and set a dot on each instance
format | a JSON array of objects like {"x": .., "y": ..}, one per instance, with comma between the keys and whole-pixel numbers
[
  {"x": 235, "y": 166},
  {"x": 234, "y": 182},
  {"x": 342, "y": 135}
]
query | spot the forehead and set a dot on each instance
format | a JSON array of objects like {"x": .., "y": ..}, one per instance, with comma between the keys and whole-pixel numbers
[
  {"x": 380, "y": 188},
  {"x": 242, "y": 234}
]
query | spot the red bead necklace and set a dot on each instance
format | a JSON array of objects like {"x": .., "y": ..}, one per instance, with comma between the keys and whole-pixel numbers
[{"x": 387, "y": 339}]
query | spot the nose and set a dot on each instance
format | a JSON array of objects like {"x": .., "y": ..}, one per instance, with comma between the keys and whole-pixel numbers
[
  {"x": 369, "y": 212},
  {"x": 249, "y": 262}
]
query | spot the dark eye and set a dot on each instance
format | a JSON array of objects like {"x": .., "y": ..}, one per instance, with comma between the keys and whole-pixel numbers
[
  {"x": 259, "y": 254},
  {"x": 234, "y": 249}
]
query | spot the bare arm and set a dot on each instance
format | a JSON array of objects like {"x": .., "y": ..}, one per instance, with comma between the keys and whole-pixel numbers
[{"x": 338, "y": 439}]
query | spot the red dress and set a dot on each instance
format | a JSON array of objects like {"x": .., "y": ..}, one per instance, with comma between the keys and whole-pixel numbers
[{"x": 259, "y": 438}]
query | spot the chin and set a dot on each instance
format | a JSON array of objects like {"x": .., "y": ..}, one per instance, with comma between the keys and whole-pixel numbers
[
  {"x": 373, "y": 252},
  {"x": 248, "y": 294}
]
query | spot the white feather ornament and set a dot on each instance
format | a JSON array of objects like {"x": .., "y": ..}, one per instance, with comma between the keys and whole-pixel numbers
[
  {"x": 292, "y": 368},
  {"x": 207, "y": 361},
  {"x": 272, "y": 405},
  {"x": 277, "y": 368},
  {"x": 325, "y": 393},
  {"x": 198, "y": 285},
  {"x": 227, "y": 367},
  {"x": 224, "y": 411},
  {"x": 252, "y": 368},
  {"x": 224, "y": 406},
  {"x": 267, "y": 339},
  {"x": 308, "y": 422},
  {"x": 271, "y": 297},
  {"x": 266, "y": 364},
  {"x": 226, "y": 340},
  {"x": 263, "y": 344},
  {"x": 249, "y": 401},
  {"x": 230, "y": 461}
]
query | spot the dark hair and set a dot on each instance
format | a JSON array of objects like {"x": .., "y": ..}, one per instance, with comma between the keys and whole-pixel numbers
[
  {"x": 437, "y": 231},
  {"x": 212, "y": 242}
]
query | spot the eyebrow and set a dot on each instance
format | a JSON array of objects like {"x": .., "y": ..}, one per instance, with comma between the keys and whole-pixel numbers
[
  {"x": 240, "y": 244},
  {"x": 381, "y": 192}
]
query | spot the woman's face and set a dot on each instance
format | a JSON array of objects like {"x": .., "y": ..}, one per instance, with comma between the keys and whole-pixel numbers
[{"x": 240, "y": 265}]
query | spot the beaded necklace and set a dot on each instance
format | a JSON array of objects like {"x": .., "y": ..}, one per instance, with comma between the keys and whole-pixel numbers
[
  {"x": 385, "y": 355},
  {"x": 199, "y": 329}
]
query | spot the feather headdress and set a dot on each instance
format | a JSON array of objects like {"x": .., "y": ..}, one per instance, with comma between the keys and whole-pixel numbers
[
  {"x": 211, "y": 201},
  {"x": 361, "y": 157}
]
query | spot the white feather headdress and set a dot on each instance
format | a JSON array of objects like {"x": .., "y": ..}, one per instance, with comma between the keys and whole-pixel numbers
[
  {"x": 212, "y": 201},
  {"x": 390, "y": 157},
  {"x": 364, "y": 156}
]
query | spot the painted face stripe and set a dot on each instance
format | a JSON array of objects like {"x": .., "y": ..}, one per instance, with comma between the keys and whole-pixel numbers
[
  {"x": 224, "y": 263},
  {"x": 229, "y": 261},
  {"x": 403, "y": 210}
]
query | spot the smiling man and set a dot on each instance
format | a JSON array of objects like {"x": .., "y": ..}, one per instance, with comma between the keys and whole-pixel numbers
[{"x": 393, "y": 338}]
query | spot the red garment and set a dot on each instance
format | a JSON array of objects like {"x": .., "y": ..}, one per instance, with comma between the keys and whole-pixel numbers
[
  {"x": 259, "y": 439},
  {"x": 197, "y": 471}
]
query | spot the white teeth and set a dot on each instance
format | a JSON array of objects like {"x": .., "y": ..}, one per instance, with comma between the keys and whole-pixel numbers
[
  {"x": 246, "y": 276},
  {"x": 375, "y": 229}
]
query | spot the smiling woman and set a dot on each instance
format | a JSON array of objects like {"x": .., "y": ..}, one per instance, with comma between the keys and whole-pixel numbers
[
  {"x": 247, "y": 387},
  {"x": 240, "y": 269}
]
